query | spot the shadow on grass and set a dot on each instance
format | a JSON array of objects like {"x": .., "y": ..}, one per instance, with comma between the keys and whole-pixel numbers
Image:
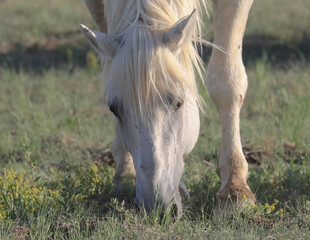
[
  {"x": 38, "y": 59},
  {"x": 60, "y": 53}
]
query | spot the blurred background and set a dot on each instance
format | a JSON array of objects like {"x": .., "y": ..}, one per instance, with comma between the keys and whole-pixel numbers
[{"x": 46, "y": 34}]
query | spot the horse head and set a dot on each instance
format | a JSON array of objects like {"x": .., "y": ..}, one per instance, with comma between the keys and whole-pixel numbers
[{"x": 154, "y": 99}]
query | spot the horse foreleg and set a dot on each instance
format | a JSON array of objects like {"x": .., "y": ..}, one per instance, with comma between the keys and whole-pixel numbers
[
  {"x": 227, "y": 84},
  {"x": 124, "y": 170}
]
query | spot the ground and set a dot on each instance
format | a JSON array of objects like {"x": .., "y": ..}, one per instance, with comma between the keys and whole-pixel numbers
[{"x": 56, "y": 134}]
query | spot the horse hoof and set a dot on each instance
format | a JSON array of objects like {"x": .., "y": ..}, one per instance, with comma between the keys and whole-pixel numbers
[{"x": 235, "y": 196}]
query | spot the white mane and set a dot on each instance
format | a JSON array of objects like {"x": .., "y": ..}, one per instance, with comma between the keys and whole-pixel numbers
[{"x": 145, "y": 71}]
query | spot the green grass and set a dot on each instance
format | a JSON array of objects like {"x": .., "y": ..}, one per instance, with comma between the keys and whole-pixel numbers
[
  {"x": 65, "y": 109},
  {"x": 72, "y": 217},
  {"x": 54, "y": 128},
  {"x": 47, "y": 108},
  {"x": 29, "y": 22}
]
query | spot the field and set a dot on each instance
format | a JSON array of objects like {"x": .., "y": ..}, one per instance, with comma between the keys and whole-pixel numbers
[{"x": 56, "y": 133}]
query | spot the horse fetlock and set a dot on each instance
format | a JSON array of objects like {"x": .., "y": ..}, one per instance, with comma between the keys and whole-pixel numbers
[
  {"x": 233, "y": 164},
  {"x": 233, "y": 172},
  {"x": 239, "y": 165}
]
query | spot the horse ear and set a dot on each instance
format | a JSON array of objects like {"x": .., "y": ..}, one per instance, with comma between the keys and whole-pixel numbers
[
  {"x": 181, "y": 32},
  {"x": 103, "y": 43}
]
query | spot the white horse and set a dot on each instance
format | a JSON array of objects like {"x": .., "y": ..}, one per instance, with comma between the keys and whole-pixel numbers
[{"x": 149, "y": 64}]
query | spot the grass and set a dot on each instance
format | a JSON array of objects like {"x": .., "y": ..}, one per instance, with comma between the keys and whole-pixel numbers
[
  {"x": 280, "y": 19},
  {"x": 54, "y": 129},
  {"x": 47, "y": 109},
  {"x": 55, "y": 134},
  {"x": 33, "y": 22},
  {"x": 64, "y": 108}
]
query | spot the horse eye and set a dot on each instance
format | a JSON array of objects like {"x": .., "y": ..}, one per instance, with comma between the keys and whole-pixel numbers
[
  {"x": 114, "y": 109},
  {"x": 178, "y": 105}
]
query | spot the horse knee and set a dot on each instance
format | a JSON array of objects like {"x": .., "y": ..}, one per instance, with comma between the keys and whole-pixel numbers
[{"x": 227, "y": 86}]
